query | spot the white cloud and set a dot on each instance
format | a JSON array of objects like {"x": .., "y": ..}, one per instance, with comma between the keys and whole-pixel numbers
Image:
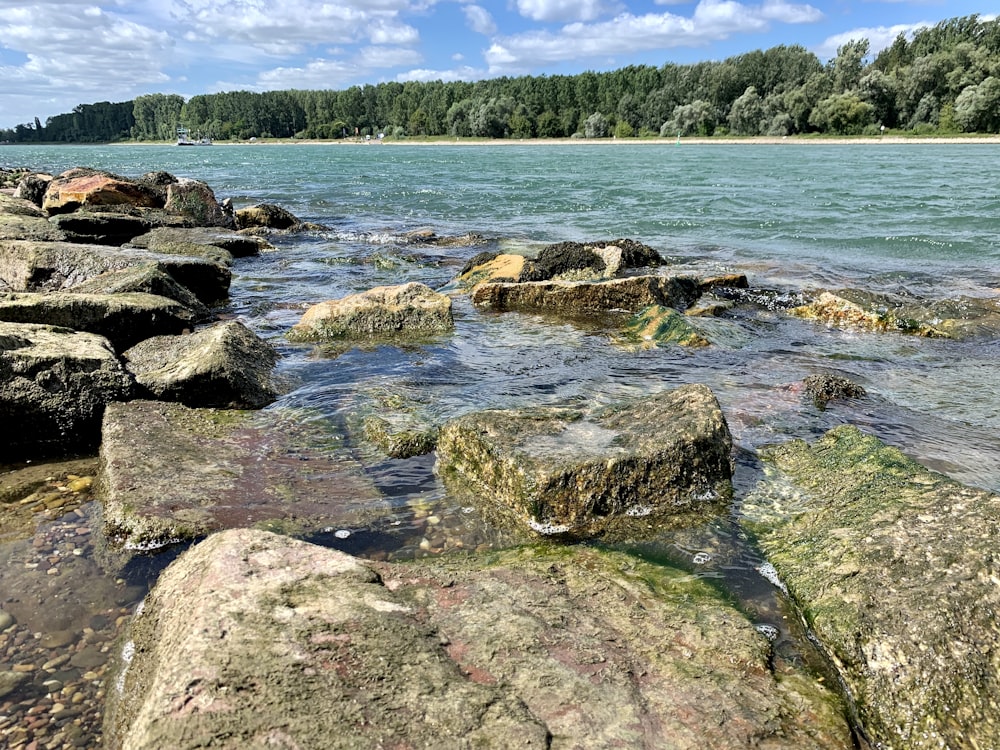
[
  {"x": 479, "y": 20},
  {"x": 565, "y": 10},
  {"x": 335, "y": 74},
  {"x": 76, "y": 53},
  {"x": 879, "y": 37},
  {"x": 465, "y": 73},
  {"x": 711, "y": 21}
]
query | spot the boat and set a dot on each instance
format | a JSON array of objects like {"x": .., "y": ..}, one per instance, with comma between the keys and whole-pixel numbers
[{"x": 184, "y": 139}]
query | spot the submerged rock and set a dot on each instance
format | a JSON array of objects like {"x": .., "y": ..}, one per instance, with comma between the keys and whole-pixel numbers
[
  {"x": 225, "y": 365},
  {"x": 895, "y": 570},
  {"x": 839, "y": 312},
  {"x": 630, "y": 294},
  {"x": 264, "y": 640},
  {"x": 54, "y": 386},
  {"x": 170, "y": 473},
  {"x": 564, "y": 472},
  {"x": 382, "y": 311},
  {"x": 663, "y": 326},
  {"x": 123, "y": 319},
  {"x": 824, "y": 388}
]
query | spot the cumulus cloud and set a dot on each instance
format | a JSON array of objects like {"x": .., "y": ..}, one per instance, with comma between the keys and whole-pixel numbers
[
  {"x": 339, "y": 73},
  {"x": 479, "y": 19},
  {"x": 711, "y": 21},
  {"x": 565, "y": 10},
  {"x": 71, "y": 53},
  {"x": 464, "y": 73}
]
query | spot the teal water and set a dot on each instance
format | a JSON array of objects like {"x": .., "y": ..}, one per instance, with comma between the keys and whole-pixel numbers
[{"x": 921, "y": 221}]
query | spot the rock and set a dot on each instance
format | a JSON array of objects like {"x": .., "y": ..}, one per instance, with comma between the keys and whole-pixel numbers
[
  {"x": 54, "y": 266},
  {"x": 54, "y": 385},
  {"x": 842, "y": 313},
  {"x": 894, "y": 568},
  {"x": 616, "y": 255},
  {"x": 100, "y": 227},
  {"x": 196, "y": 200},
  {"x": 23, "y": 227},
  {"x": 566, "y": 257},
  {"x": 565, "y": 472},
  {"x": 147, "y": 279},
  {"x": 225, "y": 366},
  {"x": 6, "y": 620},
  {"x": 400, "y": 440},
  {"x": 170, "y": 473},
  {"x": 32, "y": 187},
  {"x": 529, "y": 648},
  {"x": 727, "y": 281},
  {"x": 382, "y": 311},
  {"x": 491, "y": 266},
  {"x": 156, "y": 182},
  {"x": 203, "y": 241},
  {"x": 11, "y": 681},
  {"x": 123, "y": 319},
  {"x": 825, "y": 387},
  {"x": 13, "y": 206},
  {"x": 266, "y": 215},
  {"x": 663, "y": 326},
  {"x": 78, "y": 188},
  {"x": 630, "y": 294}
]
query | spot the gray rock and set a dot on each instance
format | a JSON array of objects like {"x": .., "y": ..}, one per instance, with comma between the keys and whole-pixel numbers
[
  {"x": 25, "y": 227},
  {"x": 825, "y": 387},
  {"x": 13, "y": 206},
  {"x": 202, "y": 241},
  {"x": 123, "y": 319},
  {"x": 266, "y": 215},
  {"x": 170, "y": 473},
  {"x": 100, "y": 227},
  {"x": 196, "y": 201},
  {"x": 32, "y": 187},
  {"x": 268, "y": 641},
  {"x": 147, "y": 279},
  {"x": 895, "y": 570},
  {"x": 56, "y": 266},
  {"x": 565, "y": 472},
  {"x": 11, "y": 681},
  {"x": 54, "y": 385},
  {"x": 629, "y": 294},
  {"x": 226, "y": 366},
  {"x": 382, "y": 311}
]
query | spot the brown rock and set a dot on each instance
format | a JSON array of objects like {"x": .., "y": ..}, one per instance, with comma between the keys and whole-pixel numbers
[{"x": 68, "y": 193}]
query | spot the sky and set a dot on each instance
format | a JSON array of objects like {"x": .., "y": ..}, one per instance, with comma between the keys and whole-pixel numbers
[{"x": 55, "y": 54}]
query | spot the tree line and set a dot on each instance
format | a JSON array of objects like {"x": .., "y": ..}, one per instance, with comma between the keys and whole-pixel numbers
[{"x": 946, "y": 79}]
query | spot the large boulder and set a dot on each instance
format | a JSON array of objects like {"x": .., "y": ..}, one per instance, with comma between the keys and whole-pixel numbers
[
  {"x": 251, "y": 639},
  {"x": 266, "y": 215},
  {"x": 147, "y": 279},
  {"x": 382, "y": 311},
  {"x": 225, "y": 365},
  {"x": 196, "y": 201},
  {"x": 53, "y": 266},
  {"x": 170, "y": 473},
  {"x": 81, "y": 187},
  {"x": 54, "y": 386},
  {"x": 630, "y": 294},
  {"x": 895, "y": 570},
  {"x": 569, "y": 473},
  {"x": 123, "y": 319}
]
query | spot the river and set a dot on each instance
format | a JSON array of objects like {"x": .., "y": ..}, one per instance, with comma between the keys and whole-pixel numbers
[{"x": 920, "y": 221}]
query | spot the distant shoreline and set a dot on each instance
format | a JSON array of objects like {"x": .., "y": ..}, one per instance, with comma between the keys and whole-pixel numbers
[{"x": 894, "y": 140}]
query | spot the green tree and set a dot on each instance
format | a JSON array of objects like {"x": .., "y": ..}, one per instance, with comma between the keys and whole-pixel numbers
[
  {"x": 596, "y": 126},
  {"x": 842, "y": 114}
]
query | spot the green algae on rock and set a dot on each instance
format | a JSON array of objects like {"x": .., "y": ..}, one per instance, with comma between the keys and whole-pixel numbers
[
  {"x": 251, "y": 639},
  {"x": 895, "y": 569},
  {"x": 662, "y": 326},
  {"x": 566, "y": 472}
]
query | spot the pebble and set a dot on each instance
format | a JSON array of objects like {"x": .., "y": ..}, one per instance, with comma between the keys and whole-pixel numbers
[{"x": 6, "y": 620}]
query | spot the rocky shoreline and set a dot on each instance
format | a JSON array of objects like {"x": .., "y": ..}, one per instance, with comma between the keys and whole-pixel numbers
[{"x": 110, "y": 341}]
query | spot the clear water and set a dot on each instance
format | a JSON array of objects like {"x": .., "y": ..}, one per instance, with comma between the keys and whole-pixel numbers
[{"x": 918, "y": 220}]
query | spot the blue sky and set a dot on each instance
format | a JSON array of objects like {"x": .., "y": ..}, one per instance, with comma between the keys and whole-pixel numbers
[{"x": 56, "y": 54}]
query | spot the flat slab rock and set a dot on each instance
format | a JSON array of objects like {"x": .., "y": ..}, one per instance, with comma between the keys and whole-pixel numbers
[
  {"x": 170, "y": 474},
  {"x": 251, "y": 639},
  {"x": 895, "y": 570},
  {"x": 566, "y": 472}
]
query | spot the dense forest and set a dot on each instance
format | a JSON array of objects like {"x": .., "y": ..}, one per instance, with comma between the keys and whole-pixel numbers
[{"x": 946, "y": 79}]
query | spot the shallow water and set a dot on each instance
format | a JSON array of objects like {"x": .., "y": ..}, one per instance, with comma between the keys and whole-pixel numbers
[{"x": 918, "y": 221}]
